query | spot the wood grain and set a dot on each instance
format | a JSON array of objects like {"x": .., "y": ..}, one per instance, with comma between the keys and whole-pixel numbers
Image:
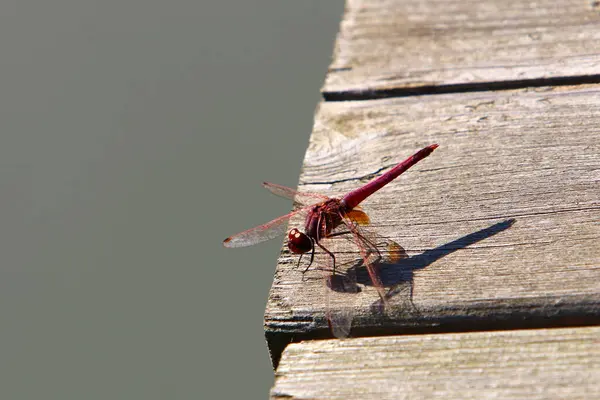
[
  {"x": 425, "y": 46},
  {"x": 501, "y": 222},
  {"x": 532, "y": 364}
]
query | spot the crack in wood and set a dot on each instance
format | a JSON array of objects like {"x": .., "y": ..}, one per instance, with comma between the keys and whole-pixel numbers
[{"x": 359, "y": 94}]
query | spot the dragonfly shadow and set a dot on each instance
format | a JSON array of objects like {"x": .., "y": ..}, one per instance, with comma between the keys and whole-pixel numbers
[
  {"x": 342, "y": 283},
  {"x": 398, "y": 276}
]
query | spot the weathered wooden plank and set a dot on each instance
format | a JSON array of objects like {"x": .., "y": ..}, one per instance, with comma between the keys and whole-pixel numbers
[
  {"x": 421, "y": 46},
  {"x": 532, "y": 364},
  {"x": 531, "y": 156}
]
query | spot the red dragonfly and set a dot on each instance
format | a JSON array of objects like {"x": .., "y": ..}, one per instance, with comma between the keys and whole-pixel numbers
[{"x": 323, "y": 216}]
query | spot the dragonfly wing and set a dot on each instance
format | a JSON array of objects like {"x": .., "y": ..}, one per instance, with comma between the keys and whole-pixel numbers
[
  {"x": 301, "y": 198},
  {"x": 386, "y": 261},
  {"x": 341, "y": 290},
  {"x": 370, "y": 254},
  {"x": 262, "y": 233},
  {"x": 380, "y": 249},
  {"x": 341, "y": 295}
]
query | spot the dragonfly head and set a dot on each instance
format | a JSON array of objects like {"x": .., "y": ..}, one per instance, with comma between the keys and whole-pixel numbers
[{"x": 299, "y": 242}]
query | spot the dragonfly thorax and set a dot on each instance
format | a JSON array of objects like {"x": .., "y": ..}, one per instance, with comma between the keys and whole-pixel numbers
[
  {"x": 323, "y": 219},
  {"x": 320, "y": 221}
]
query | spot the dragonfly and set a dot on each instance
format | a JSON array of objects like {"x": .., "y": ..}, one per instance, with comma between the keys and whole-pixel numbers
[{"x": 328, "y": 218}]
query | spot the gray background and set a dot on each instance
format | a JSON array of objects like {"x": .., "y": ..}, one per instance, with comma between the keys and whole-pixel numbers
[{"x": 134, "y": 136}]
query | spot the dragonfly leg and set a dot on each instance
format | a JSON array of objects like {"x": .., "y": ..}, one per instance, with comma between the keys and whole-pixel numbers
[
  {"x": 330, "y": 253},
  {"x": 299, "y": 260},
  {"x": 312, "y": 257}
]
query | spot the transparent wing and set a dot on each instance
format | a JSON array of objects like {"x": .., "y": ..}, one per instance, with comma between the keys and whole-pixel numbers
[
  {"x": 342, "y": 288},
  {"x": 375, "y": 250},
  {"x": 300, "y": 198},
  {"x": 341, "y": 298},
  {"x": 264, "y": 232}
]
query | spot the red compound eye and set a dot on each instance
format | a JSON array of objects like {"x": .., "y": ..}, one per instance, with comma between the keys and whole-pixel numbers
[{"x": 298, "y": 242}]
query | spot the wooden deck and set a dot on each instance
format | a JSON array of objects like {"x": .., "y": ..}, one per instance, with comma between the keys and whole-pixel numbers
[
  {"x": 406, "y": 47},
  {"x": 501, "y": 223},
  {"x": 532, "y": 364}
]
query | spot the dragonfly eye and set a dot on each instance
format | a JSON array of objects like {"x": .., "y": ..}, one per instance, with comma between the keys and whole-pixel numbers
[{"x": 298, "y": 242}]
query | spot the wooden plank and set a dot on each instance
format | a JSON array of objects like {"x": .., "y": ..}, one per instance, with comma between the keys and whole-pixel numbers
[
  {"x": 531, "y": 157},
  {"x": 424, "y": 46},
  {"x": 532, "y": 364}
]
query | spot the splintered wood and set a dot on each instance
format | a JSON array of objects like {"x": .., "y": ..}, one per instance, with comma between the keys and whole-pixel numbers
[
  {"x": 500, "y": 223},
  {"x": 531, "y": 364}
]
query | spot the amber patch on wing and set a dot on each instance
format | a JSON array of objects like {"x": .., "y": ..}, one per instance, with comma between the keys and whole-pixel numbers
[{"x": 359, "y": 216}]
